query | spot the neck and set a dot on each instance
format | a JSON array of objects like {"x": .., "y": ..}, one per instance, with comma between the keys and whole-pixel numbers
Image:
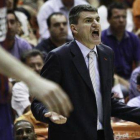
[
  {"x": 87, "y": 44},
  {"x": 118, "y": 34},
  {"x": 58, "y": 43},
  {"x": 9, "y": 43}
]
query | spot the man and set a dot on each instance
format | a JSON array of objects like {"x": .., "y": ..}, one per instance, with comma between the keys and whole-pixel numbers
[
  {"x": 135, "y": 102},
  {"x": 14, "y": 44},
  {"x": 24, "y": 130},
  {"x": 84, "y": 68},
  {"x": 21, "y": 99},
  {"x": 52, "y": 6},
  {"x": 125, "y": 45},
  {"x": 58, "y": 29},
  {"x": 133, "y": 91}
]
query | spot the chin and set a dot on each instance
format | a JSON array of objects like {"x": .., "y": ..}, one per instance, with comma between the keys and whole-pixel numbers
[{"x": 96, "y": 42}]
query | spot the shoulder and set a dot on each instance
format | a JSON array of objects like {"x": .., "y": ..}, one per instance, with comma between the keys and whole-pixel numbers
[
  {"x": 41, "y": 44},
  {"x": 22, "y": 42},
  {"x": 48, "y": 4},
  {"x": 132, "y": 35},
  {"x": 19, "y": 85},
  {"x": 106, "y": 48},
  {"x": 64, "y": 48},
  {"x": 104, "y": 32}
]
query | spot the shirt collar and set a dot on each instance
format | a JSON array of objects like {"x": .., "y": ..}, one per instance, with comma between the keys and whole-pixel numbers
[
  {"x": 85, "y": 50},
  {"x": 110, "y": 33}
]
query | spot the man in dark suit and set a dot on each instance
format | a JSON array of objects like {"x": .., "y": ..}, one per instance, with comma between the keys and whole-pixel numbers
[{"x": 88, "y": 83}]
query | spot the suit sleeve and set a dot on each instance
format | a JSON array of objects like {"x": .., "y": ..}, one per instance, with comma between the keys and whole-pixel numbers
[
  {"x": 122, "y": 111},
  {"x": 125, "y": 112},
  {"x": 51, "y": 71}
]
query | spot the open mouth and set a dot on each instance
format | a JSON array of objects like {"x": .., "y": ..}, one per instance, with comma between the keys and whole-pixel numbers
[{"x": 95, "y": 33}]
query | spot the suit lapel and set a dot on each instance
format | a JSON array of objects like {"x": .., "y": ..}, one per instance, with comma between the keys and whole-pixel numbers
[
  {"x": 103, "y": 61},
  {"x": 80, "y": 64}
]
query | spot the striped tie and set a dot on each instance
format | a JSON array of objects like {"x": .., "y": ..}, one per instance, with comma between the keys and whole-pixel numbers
[{"x": 93, "y": 75}]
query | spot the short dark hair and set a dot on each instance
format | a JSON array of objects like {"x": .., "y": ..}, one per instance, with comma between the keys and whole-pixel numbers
[
  {"x": 31, "y": 53},
  {"x": 23, "y": 121},
  {"x": 50, "y": 16},
  {"x": 12, "y": 12},
  {"x": 115, "y": 5},
  {"x": 138, "y": 79},
  {"x": 75, "y": 12}
]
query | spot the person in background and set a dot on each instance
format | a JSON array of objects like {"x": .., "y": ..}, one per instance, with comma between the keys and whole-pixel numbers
[
  {"x": 136, "y": 17},
  {"x": 21, "y": 99},
  {"x": 24, "y": 130},
  {"x": 41, "y": 129},
  {"x": 126, "y": 45},
  {"x": 14, "y": 44},
  {"x": 133, "y": 91},
  {"x": 84, "y": 68},
  {"x": 58, "y": 29},
  {"x": 51, "y": 6},
  {"x": 135, "y": 102}
]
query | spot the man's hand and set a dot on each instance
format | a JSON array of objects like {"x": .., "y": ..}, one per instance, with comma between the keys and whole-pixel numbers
[
  {"x": 51, "y": 95},
  {"x": 56, "y": 118}
]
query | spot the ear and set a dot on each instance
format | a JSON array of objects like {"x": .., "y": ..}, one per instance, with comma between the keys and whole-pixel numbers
[
  {"x": 73, "y": 28},
  {"x": 138, "y": 88}
]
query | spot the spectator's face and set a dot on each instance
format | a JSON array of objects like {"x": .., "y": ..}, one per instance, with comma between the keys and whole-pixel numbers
[
  {"x": 24, "y": 131},
  {"x": 58, "y": 29},
  {"x": 118, "y": 19},
  {"x": 88, "y": 29},
  {"x": 137, "y": 21},
  {"x": 12, "y": 26},
  {"x": 35, "y": 62}
]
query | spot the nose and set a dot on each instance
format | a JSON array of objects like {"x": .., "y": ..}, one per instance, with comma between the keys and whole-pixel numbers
[
  {"x": 25, "y": 134},
  {"x": 95, "y": 23},
  {"x": 61, "y": 26},
  {"x": 9, "y": 25},
  {"x": 121, "y": 19},
  {"x": 37, "y": 68}
]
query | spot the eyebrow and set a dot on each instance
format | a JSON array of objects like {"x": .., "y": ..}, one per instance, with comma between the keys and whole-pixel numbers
[{"x": 92, "y": 17}]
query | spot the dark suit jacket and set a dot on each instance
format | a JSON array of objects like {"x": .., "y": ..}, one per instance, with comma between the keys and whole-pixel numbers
[{"x": 66, "y": 66}]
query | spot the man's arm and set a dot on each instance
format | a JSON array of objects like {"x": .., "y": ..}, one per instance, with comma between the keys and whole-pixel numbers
[
  {"x": 52, "y": 71},
  {"x": 122, "y": 111},
  {"x": 46, "y": 91}
]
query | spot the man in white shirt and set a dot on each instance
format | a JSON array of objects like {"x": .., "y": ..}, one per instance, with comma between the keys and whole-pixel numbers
[{"x": 51, "y": 6}]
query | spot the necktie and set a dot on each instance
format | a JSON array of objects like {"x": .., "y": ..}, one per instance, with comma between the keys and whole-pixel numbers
[{"x": 93, "y": 75}]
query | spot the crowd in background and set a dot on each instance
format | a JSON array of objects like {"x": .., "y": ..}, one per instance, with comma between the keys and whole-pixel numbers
[{"x": 36, "y": 27}]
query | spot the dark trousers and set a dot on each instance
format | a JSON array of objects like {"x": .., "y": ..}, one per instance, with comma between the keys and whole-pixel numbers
[{"x": 100, "y": 135}]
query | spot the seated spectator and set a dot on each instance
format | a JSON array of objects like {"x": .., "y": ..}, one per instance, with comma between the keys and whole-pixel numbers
[
  {"x": 21, "y": 99},
  {"x": 102, "y": 10},
  {"x": 41, "y": 129},
  {"x": 126, "y": 45},
  {"x": 135, "y": 102},
  {"x": 14, "y": 44},
  {"x": 57, "y": 26},
  {"x": 52, "y": 6},
  {"x": 26, "y": 31},
  {"x": 24, "y": 130},
  {"x": 133, "y": 91}
]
